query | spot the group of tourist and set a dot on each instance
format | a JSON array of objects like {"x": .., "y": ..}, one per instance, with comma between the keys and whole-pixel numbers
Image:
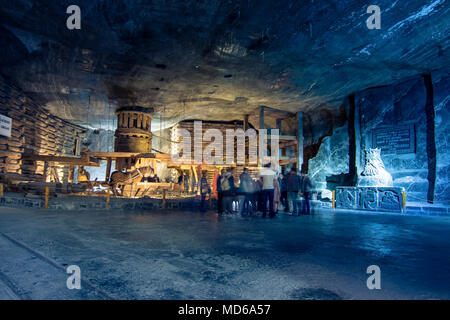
[{"x": 268, "y": 194}]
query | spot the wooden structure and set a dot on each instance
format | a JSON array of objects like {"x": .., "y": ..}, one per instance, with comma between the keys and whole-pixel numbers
[
  {"x": 133, "y": 135},
  {"x": 34, "y": 131},
  {"x": 293, "y": 142}
]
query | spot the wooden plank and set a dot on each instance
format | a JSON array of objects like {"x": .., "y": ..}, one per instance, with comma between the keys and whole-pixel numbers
[
  {"x": 288, "y": 161},
  {"x": 115, "y": 155},
  {"x": 288, "y": 138},
  {"x": 62, "y": 160}
]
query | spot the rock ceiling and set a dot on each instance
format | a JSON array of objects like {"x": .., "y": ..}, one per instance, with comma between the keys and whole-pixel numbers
[{"x": 214, "y": 59}]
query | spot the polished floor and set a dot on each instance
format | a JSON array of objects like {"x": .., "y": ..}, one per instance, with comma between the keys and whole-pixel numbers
[{"x": 180, "y": 255}]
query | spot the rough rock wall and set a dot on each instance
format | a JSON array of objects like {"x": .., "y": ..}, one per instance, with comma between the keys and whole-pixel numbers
[
  {"x": 395, "y": 105},
  {"x": 404, "y": 104},
  {"x": 332, "y": 158},
  {"x": 34, "y": 131},
  {"x": 326, "y": 146},
  {"x": 442, "y": 107},
  {"x": 99, "y": 140},
  {"x": 160, "y": 144}
]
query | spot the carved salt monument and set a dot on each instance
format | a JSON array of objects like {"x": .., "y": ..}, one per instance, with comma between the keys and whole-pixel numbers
[
  {"x": 374, "y": 174},
  {"x": 375, "y": 189}
]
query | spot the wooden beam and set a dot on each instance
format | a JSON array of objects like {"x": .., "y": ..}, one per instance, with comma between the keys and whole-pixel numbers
[
  {"x": 190, "y": 179},
  {"x": 261, "y": 142},
  {"x": 246, "y": 122},
  {"x": 289, "y": 138},
  {"x": 261, "y": 118},
  {"x": 84, "y": 161},
  {"x": 194, "y": 169},
  {"x": 116, "y": 155},
  {"x": 279, "y": 125},
  {"x": 108, "y": 169},
  {"x": 163, "y": 156}
]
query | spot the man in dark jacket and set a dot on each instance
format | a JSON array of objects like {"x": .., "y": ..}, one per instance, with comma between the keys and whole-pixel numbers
[
  {"x": 306, "y": 191},
  {"x": 283, "y": 190}
]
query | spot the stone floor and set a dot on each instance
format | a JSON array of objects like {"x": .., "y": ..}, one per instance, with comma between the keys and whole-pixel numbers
[{"x": 180, "y": 255}]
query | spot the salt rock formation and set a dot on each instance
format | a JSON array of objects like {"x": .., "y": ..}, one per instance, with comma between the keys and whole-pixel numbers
[{"x": 374, "y": 174}]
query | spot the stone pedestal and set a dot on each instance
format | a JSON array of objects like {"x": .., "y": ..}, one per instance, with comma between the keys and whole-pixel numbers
[{"x": 370, "y": 198}]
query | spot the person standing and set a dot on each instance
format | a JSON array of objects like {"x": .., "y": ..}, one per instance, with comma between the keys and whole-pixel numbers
[
  {"x": 227, "y": 188},
  {"x": 204, "y": 190},
  {"x": 276, "y": 196},
  {"x": 267, "y": 176},
  {"x": 283, "y": 191},
  {"x": 293, "y": 186},
  {"x": 306, "y": 191},
  {"x": 254, "y": 196},
  {"x": 219, "y": 192},
  {"x": 245, "y": 188}
]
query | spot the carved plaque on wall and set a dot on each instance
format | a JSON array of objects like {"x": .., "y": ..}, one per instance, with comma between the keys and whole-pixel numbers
[
  {"x": 395, "y": 139},
  {"x": 370, "y": 198}
]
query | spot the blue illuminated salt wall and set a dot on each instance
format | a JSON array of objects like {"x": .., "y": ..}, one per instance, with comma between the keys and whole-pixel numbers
[
  {"x": 442, "y": 107},
  {"x": 398, "y": 112},
  {"x": 400, "y": 108}
]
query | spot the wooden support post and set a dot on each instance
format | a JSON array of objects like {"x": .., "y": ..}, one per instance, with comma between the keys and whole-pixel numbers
[
  {"x": 164, "y": 199},
  {"x": 1, "y": 190},
  {"x": 108, "y": 170},
  {"x": 190, "y": 180},
  {"x": 261, "y": 118},
  {"x": 279, "y": 125},
  {"x": 261, "y": 139},
  {"x": 183, "y": 183},
  {"x": 299, "y": 140},
  {"x": 404, "y": 201},
  {"x": 197, "y": 184},
  {"x": 47, "y": 194},
  {"x": 45, "y": 171}
]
